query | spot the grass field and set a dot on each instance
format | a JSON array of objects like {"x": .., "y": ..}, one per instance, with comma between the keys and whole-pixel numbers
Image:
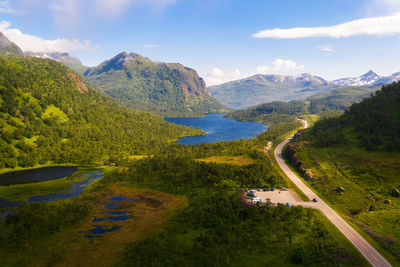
[
  {"x": 367, "y": 178},
  {"x": 236, "y": 160}
]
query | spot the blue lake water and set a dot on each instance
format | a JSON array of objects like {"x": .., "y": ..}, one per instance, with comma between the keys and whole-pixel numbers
[{"x": 218, "y": 129}]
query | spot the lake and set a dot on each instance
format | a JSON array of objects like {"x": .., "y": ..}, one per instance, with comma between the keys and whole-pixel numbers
[{"x": 218, "y": 129}]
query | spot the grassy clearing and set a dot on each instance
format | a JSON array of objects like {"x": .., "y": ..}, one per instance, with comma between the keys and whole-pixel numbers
[
  {"x": 54, "y": 112},
  {"x": 136, "y": 157},
  {"x": 236, "y": 160},
  {"x": 311, "y": 119}
]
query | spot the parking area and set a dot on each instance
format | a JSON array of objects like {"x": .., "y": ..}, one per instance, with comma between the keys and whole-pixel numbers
[{"x": 280, "y": 196}]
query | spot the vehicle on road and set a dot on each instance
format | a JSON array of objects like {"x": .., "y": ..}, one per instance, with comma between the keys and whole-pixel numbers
[{"x": 315, "y": 199}]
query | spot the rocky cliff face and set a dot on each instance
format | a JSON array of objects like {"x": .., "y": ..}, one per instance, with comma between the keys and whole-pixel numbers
[{"x": 138, "y": 82}]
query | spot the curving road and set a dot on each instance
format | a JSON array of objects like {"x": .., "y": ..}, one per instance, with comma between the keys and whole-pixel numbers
[{"x": 373, "y": 256}]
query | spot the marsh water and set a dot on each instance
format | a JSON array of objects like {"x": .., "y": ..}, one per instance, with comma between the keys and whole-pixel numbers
[
  {"x": 36, "y": 175},
  {"x": 74, "y": 189},
  {"x": 218, "y": 128}
]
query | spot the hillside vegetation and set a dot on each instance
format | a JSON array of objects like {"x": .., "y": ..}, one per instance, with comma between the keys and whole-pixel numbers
[
  {"x": 47, "y": 114},
  {"x": 137, "y": 82},
  {"x": 353, "y": 162},
  {"x": 326, "y": 104}
]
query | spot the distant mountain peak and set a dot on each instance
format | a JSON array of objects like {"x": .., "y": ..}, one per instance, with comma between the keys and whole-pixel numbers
[{"x": 367, "y": 79}]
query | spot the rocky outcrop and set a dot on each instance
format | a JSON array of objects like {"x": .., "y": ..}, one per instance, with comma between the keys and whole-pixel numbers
[
  {"x": 340, "y": 189},
  {"x": 395, "y": 192},
  {"x": 290, "y": 154}
]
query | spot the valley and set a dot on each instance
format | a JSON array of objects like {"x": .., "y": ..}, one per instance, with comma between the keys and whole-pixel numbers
[{"x": 110, "y": 158}]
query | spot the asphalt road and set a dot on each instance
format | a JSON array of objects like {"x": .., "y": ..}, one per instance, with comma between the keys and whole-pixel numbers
[{"x": 373, "y": 256}]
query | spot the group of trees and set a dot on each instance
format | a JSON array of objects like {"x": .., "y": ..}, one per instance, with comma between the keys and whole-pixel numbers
[
  {"x": 48, "y": 114},
  {"x": 217, "y": 228}
]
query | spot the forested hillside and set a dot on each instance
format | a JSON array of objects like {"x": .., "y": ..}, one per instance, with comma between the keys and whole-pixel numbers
[
  {"x": 140, "y": 83},
  {"x": 353, "y": 161},
  {"x": 330, "y": 102},
  {"x": 47, "y": 114},
  {"x": 375, "y": 121}
]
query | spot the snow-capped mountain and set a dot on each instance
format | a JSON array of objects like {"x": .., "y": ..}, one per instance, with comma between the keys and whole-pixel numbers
[
  {"x": 369, "y": 78},
  {"x": 389, "y": 79}
]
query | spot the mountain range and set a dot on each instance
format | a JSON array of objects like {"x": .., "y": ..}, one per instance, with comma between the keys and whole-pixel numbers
[
  {"x": 138, "y": 82},
  {"x": 259, "y": 88}
]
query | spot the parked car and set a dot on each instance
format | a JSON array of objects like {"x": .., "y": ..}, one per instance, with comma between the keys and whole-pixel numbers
[
  {"x": 284, "y": 189},
  {"x": 287, "y": 205},
  {"x": 272, "y": 189},
  {"x": 315, "y": 199}
]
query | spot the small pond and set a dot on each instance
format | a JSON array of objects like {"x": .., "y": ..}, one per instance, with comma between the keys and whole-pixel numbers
[{"x": 36, "y": 175}]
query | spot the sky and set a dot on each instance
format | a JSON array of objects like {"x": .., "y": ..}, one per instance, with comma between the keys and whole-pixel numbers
[{"x": 222, "y": 39}]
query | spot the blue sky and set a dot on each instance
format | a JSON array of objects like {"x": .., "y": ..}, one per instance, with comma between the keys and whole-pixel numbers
[{"x": 222, "y": 39}]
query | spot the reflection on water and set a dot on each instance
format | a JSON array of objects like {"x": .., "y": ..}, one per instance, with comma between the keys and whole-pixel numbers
[
  {"x": 74, "y": 190},
  {"x": 36, "y": 175}
]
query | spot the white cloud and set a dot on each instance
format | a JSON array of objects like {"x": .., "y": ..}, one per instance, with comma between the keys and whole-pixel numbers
[
  {"x": 382, "y": 6},
  {"x": 6, "y": 8},
  {"x": 326, "y": 48},
  {"x": 151, "y": 46},
  {"x": 218, "y": 76},
  {"x": 113, "y": 8},
  {"x": 377, "y": 26},
  {"x": 33, "y": 43},
  {"x": 281, "y": 66},
  {"x": 66, "y": 13}
]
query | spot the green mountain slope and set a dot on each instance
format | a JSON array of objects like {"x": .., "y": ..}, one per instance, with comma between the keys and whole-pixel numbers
[
  {"x": 354, "y": 162},
  {"x": 375, "y": 121},
  {"x": 8, "y": 48},
  {"x": 47, "y": 114},
  {"x": 335, "y": 100},
  {"x": 140, "y": 83}
]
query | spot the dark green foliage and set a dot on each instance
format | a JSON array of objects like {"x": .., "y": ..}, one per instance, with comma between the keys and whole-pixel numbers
[
  {"x": 139, "y": 83},
  {"x": 47, "y": 114},
  {"x": 273, "y": 112},
  {"x": 34, "y": 221},
  {"x": 375, "y": 121},
  {"x": 328, "y": 132}
]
